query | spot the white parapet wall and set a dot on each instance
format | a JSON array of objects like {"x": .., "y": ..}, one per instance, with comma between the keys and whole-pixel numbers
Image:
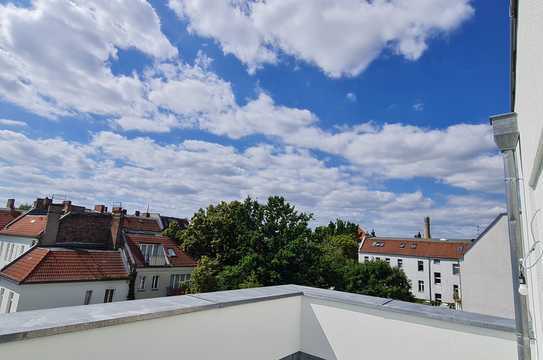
[{"x": 282, "y": 322}]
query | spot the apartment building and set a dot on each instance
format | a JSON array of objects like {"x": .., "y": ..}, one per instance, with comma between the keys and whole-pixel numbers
[
  {"x": 88, "y": 256},
  {"x": 470, "y": 275},
  {"x": 519, "y": 136},
  {"x": 54, "y": 277},
  {"x": 432, "y": 266}
]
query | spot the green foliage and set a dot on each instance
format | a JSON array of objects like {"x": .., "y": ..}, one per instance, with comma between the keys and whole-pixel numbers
[
  {"x": 24, "y": 207},
  {"x": 248, "y": 244}
]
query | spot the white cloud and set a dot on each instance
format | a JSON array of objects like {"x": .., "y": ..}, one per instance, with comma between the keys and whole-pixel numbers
[
  {"x": 9, "y": 122},
  {"x": 180, "y": 178},
  {"x": 55, "y": 55},
  {"x": 419, "y": 106},
  {"x": 351, "y": 97},
  {"x": 340, "y": 37}
]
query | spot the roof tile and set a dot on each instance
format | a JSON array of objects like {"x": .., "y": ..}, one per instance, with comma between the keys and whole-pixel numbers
[{"x": 416, "y": 248}]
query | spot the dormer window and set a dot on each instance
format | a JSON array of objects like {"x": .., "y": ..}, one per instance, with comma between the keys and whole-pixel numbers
[
  {"x": 402, "y": 245},
  {"x": 153, "y": 254},
  {"x": 171, "y": 252}
]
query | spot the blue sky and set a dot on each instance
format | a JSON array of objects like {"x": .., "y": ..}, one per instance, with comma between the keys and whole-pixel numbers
[{"x": 373, "y": 112}]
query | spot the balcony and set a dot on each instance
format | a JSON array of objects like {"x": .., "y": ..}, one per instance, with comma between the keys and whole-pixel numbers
[{"x": 280, "y": 322}]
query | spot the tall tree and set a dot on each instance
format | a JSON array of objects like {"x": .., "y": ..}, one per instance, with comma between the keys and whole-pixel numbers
[{"x": 242, "y": 244}]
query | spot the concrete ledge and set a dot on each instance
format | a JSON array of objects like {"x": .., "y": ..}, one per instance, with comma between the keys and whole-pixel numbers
[
  {"x": 38, "y": 323},
  {"x": 419, "y": 310}
]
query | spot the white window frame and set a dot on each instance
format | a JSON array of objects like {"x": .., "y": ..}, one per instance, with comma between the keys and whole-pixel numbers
[
  {"x": 436, "y": 299},
  {"x": 400, "y": 263},
  {"x": 108, "y": 295},
  {"x": 155, "y": 282},
  {"x": 437, "y": 277},
  {"x": 88, "y": 297},
  {"x": 437, "y": 261},
  {"x": 421, "y": 286},
  {"x": 420, "y": 265},
  {"x": 9, "y": 303},
  {"x": 171, "y": 252},
  {"x": 455, "y": 268},
  {"x": 2, "y": 290}
]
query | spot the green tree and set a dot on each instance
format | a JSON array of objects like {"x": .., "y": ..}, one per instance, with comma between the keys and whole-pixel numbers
[
  {"x": 24, "y": 207},
  {"x": 242, "y": 244}
]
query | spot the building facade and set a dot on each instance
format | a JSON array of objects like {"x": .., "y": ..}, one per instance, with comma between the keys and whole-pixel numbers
[
  {"x": 487, "y": 286},
  {"x": 53, "y": 277},
  {"x": 432, "y": 266}
]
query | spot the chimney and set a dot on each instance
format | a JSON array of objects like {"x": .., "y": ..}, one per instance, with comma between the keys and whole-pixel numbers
[
  {"x": 137, "y": 213},
  {"x": 116, "y": 228},
  {"x": 39, "y": 204},
  {"x": 117, "y": 210},
  {"x": 10, "y": 204},
  {"x": 47, "y": 202},
  {"x": 427, "y": 234},
  {"x": 67, "y": 206},
  {"x": 51, "y": 227},
  {"x": 100, "y": 209}
]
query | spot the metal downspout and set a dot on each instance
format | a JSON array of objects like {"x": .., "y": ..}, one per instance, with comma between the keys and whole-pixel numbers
[{"x": 506, "y": 136}]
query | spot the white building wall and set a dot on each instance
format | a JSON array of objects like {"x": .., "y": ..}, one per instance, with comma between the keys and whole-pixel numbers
[
  {"x": 164, "y": 275},
  {"x": 487, "y": 286},
  {"x": 51, "y": 295},
  {"x": 268, "y": 330},
  {"x": 410, "y": 268},
  {"x": 529, "y": 109},
  {"x": 346, "y": 332},
  {"x": 12, "y": 247}
]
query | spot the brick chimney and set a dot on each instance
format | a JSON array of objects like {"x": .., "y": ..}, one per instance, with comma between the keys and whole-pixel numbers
[
  {"x": 39, "y": 204},
  {"x": 54, "y": 213},
  {"x": 10, "y": 204},
  {"x": 427, "y": 234},
  {"x": 67, "y": 206},
  {"x": 117, "y": 210},
  {"x": 116, "y": 228},
  {"x": 100, "y": 208}
]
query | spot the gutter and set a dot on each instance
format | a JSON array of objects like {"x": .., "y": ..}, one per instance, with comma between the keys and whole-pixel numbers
[{"x": 506, "y": 136}]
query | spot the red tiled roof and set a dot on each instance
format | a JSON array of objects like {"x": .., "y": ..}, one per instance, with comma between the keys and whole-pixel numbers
[
  {"x": 26, "y": 225},
  {"x": 179, "y": 260},
  {"x": 416, "y": 248},
  {"x": 6, "y": 216},
  {"x": 41, "y": 265},
  {"x": 137, "y": 223}
]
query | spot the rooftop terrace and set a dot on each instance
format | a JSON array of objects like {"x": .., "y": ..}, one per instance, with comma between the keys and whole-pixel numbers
[{"x": 279, "y": 322}]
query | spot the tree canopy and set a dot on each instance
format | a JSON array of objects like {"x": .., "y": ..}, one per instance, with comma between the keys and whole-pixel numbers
[{"x": 248, "y": 244}]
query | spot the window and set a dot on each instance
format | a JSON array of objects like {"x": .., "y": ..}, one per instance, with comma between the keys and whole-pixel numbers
[
  {"x": 366, "y": 258},
  {"x": 21, "y": 250},
  {"x": 456, "y": 269},
  {"x": 7, "y": 251},
  {"x": 420, "y": 265},
  {"x": 437, "y": 261},
  {"x": 1, "y": 247},
  {"x": 421, "y": 286},
  {"x": 456, "y": 293},
  {"x": 402, "y": 245},
  {"x": 154, "y": 282},
  {"x": 141, "y": 284},
  {"x": 108, "y": 296},
  {"x": 1, "y": 297},
  {"x": 437, "y": 278},
  {"x": 11, "y": 248},
  {"x": 9, "y": 304},
  {"x": 171, "y": 252},
  {"x": 387, "y": 260},
  {"x": 413, "y": 246},
  {"x": 377, "y": 258},
  {"x": 88, "y": 296},
  {"x": 400, "y": 263},
  {"x": 176, "y": 280},
  {"x": 438, "y": 299}
]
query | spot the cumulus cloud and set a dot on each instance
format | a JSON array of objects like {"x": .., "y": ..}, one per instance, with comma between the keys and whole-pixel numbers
[
  {"x": 180, "y": 178},
  {"x": 9, "y": 122},
  {"x": 341, "y": 38},
  {"x": 55, "y": 55}
]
